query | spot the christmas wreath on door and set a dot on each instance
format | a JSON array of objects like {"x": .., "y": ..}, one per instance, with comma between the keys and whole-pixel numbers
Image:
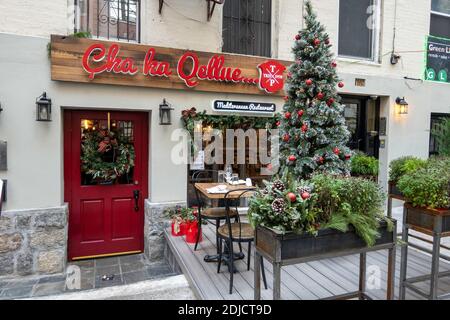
[{"x": 104, "y": 158}]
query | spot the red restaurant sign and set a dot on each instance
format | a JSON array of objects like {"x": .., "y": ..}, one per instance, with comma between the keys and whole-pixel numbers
[{"x": 154, "y": 64}]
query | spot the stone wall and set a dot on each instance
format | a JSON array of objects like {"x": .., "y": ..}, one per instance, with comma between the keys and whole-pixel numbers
[
  {"x": 155, "y": 222},
  {"x": 33, "y": 241}
]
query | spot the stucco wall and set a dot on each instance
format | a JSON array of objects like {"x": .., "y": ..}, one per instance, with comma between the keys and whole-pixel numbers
[
  {"x": 35, "y": 154},
  {"x": 183, "y": 24}
]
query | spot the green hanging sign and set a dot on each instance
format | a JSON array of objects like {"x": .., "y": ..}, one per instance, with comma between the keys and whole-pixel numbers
[{"x": 437, "y": 59}]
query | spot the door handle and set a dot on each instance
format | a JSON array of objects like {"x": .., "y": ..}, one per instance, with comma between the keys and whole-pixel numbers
[{"x": 136, "y": 200}]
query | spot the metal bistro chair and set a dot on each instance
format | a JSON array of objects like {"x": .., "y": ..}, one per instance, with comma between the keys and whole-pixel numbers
[
  {"x": 217, "y": 214},
  {"x": 236, "y": 232}
]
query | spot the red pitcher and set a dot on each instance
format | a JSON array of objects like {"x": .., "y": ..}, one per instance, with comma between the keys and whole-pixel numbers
[{"x": 192, "y": 231}]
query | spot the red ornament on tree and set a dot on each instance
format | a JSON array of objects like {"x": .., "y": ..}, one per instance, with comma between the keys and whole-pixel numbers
[
  {"x": 340, "y": 84},
  {"x": 278, "y": 123},
  {"x": 305, "y": 195},
  {"x": 320, "y": 96},
  {"x": 336, "y": 151},
  {"x": 292, "y": 158},
  {"x": 309, "y": 82},
  {"x": 334, "y": 64},
  {"x": 300, "y": 113},
  {"x": 286, "y": 98},
  {"x": 286, "y": 137},
  {"x": 330, "y": 101},
  {"x": 316, "y": 42},
  {"x": 292, "y": 197},
  {"x": 297, "y": 37},
  {"x": 347, "y": 157},
  {"x": 320, "y": 160},
  {"x": 304, "y": 128},
  {"x": 287, "y": 115}
]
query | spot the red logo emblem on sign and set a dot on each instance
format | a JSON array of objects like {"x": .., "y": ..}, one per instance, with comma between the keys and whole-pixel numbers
[{"x": 271, "y": 76}]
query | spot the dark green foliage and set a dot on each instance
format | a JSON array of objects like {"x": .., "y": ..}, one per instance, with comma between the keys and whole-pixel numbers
[
  {"x": 313, "y": 128},
  {"x": 350, "y": 201},
  {"x": 364, "y": 165},
  {"x": 297, "y": 216},
  {"x": 404, "y": 165},
  {"x": 428, "y": 186},
  {"x": 442, "y": 136},
  {"x": 335, "y": 202}
]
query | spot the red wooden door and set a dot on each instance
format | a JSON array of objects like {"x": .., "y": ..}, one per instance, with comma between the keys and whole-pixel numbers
[{"x": 106, "y": 215}]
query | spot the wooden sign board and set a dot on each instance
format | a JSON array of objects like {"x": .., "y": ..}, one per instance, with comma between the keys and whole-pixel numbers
[{"x": 127, "y": 64}]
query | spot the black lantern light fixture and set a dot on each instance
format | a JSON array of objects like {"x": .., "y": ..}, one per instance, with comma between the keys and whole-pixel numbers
[
  {"x": 164, "y": 113},
  {"x": 1, "y": 109},
  {"x": 402, "y": 105},
  {"x": 43, "y": 108}
]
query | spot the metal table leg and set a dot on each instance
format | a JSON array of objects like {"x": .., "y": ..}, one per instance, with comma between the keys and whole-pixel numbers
[
  {"x": 404, "y": 255},
  {"x": 362, "y": 275},
  {"x": 391, "y": 273},
  {"x": 435, "y": 258},
  {"x": 257, "y": 275},
  {"x": 276, "y": 281}
]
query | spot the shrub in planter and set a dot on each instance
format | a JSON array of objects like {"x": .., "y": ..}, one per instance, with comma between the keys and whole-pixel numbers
[
  {"x": 404, "y": 165},
  {"x": 363, "y": 165},
  {"x": 429, "y": 186},
  {"x": 323, "y": 202}
]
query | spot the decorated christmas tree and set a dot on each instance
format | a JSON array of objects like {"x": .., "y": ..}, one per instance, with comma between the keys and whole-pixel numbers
[{"x": 312, "y": 127}]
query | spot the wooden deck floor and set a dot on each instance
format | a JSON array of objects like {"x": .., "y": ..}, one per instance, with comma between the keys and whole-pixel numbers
[{"x": 313, "y": 280}]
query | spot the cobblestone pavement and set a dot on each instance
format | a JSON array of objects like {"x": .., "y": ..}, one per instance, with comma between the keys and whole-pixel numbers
[{"x": 93, "y": 274}]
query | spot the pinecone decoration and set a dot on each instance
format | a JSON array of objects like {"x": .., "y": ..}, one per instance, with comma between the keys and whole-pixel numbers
[
  {"x": 278, "y": 185},
  {"x": 278, "y": 205},
  {"x": 303, "y": 189}
]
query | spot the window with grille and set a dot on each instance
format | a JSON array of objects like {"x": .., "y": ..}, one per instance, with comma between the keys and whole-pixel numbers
[
  {"x": 247, "y": 27},
  {"x": 436, "y": 119},
  {"x": 358, "y": 22},
  {"x": 440, "y": 18},
  {"x": 109, "y": 19}
]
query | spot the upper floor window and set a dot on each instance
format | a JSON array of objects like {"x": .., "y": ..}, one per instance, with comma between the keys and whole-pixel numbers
[
  {"x": 109, "y": 19},
  {"x": 358, "y": 22},
  {"x": 247, "y": 27},
  {"x": 440, "y": 18}
]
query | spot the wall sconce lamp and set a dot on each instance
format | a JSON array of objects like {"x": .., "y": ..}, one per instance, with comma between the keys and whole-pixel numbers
[
  {"x": 164, "y": 113},
  {"x": 43, "y": 108},
  {"x": 1, "y": 109},
  {"x": 402, "y": 105}
]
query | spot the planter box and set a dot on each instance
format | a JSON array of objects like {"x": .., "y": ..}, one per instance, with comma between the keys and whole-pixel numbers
[
  {"x": 425, "y": 219},
  {"x": 365, "y": 176},
  {"x": 285, "y": 247},
  {"x": 394, "y": 192}
]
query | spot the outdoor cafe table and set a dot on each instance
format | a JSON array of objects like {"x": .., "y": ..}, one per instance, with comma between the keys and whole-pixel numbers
[{"x": 203, "y": 187}]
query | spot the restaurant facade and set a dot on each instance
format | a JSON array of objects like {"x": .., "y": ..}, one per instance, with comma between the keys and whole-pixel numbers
[{"x": 145, "y": 60}]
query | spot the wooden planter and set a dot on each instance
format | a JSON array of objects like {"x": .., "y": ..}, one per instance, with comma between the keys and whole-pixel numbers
[
  {"x": 365, "y": 176},
  {"x": 394, "y": 192},
  {"x": 283, "y": 249},
  {"x": 426, "y": 220}
]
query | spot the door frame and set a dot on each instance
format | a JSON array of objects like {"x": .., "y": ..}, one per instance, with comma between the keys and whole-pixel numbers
[
  {"x": 362, "y": 120},
  {"x": 68, "y": 163}
]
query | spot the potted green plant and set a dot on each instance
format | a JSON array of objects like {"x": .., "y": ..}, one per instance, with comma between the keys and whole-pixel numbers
[
  {"x": 364, "y": 166},
  {"x": 427, "y": 190},
  {"x": 400, "y": 167},
  {"x": 325, "y": 214}
]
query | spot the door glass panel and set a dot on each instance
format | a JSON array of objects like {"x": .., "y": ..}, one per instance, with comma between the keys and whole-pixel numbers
[
  {"x": 107, "y": 152},
  {"x": 351, "y": 119},
  {"x": 372, "y": 133}
]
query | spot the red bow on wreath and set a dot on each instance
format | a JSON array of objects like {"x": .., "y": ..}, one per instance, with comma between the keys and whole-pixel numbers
[{"x": 189, "y": 113}]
